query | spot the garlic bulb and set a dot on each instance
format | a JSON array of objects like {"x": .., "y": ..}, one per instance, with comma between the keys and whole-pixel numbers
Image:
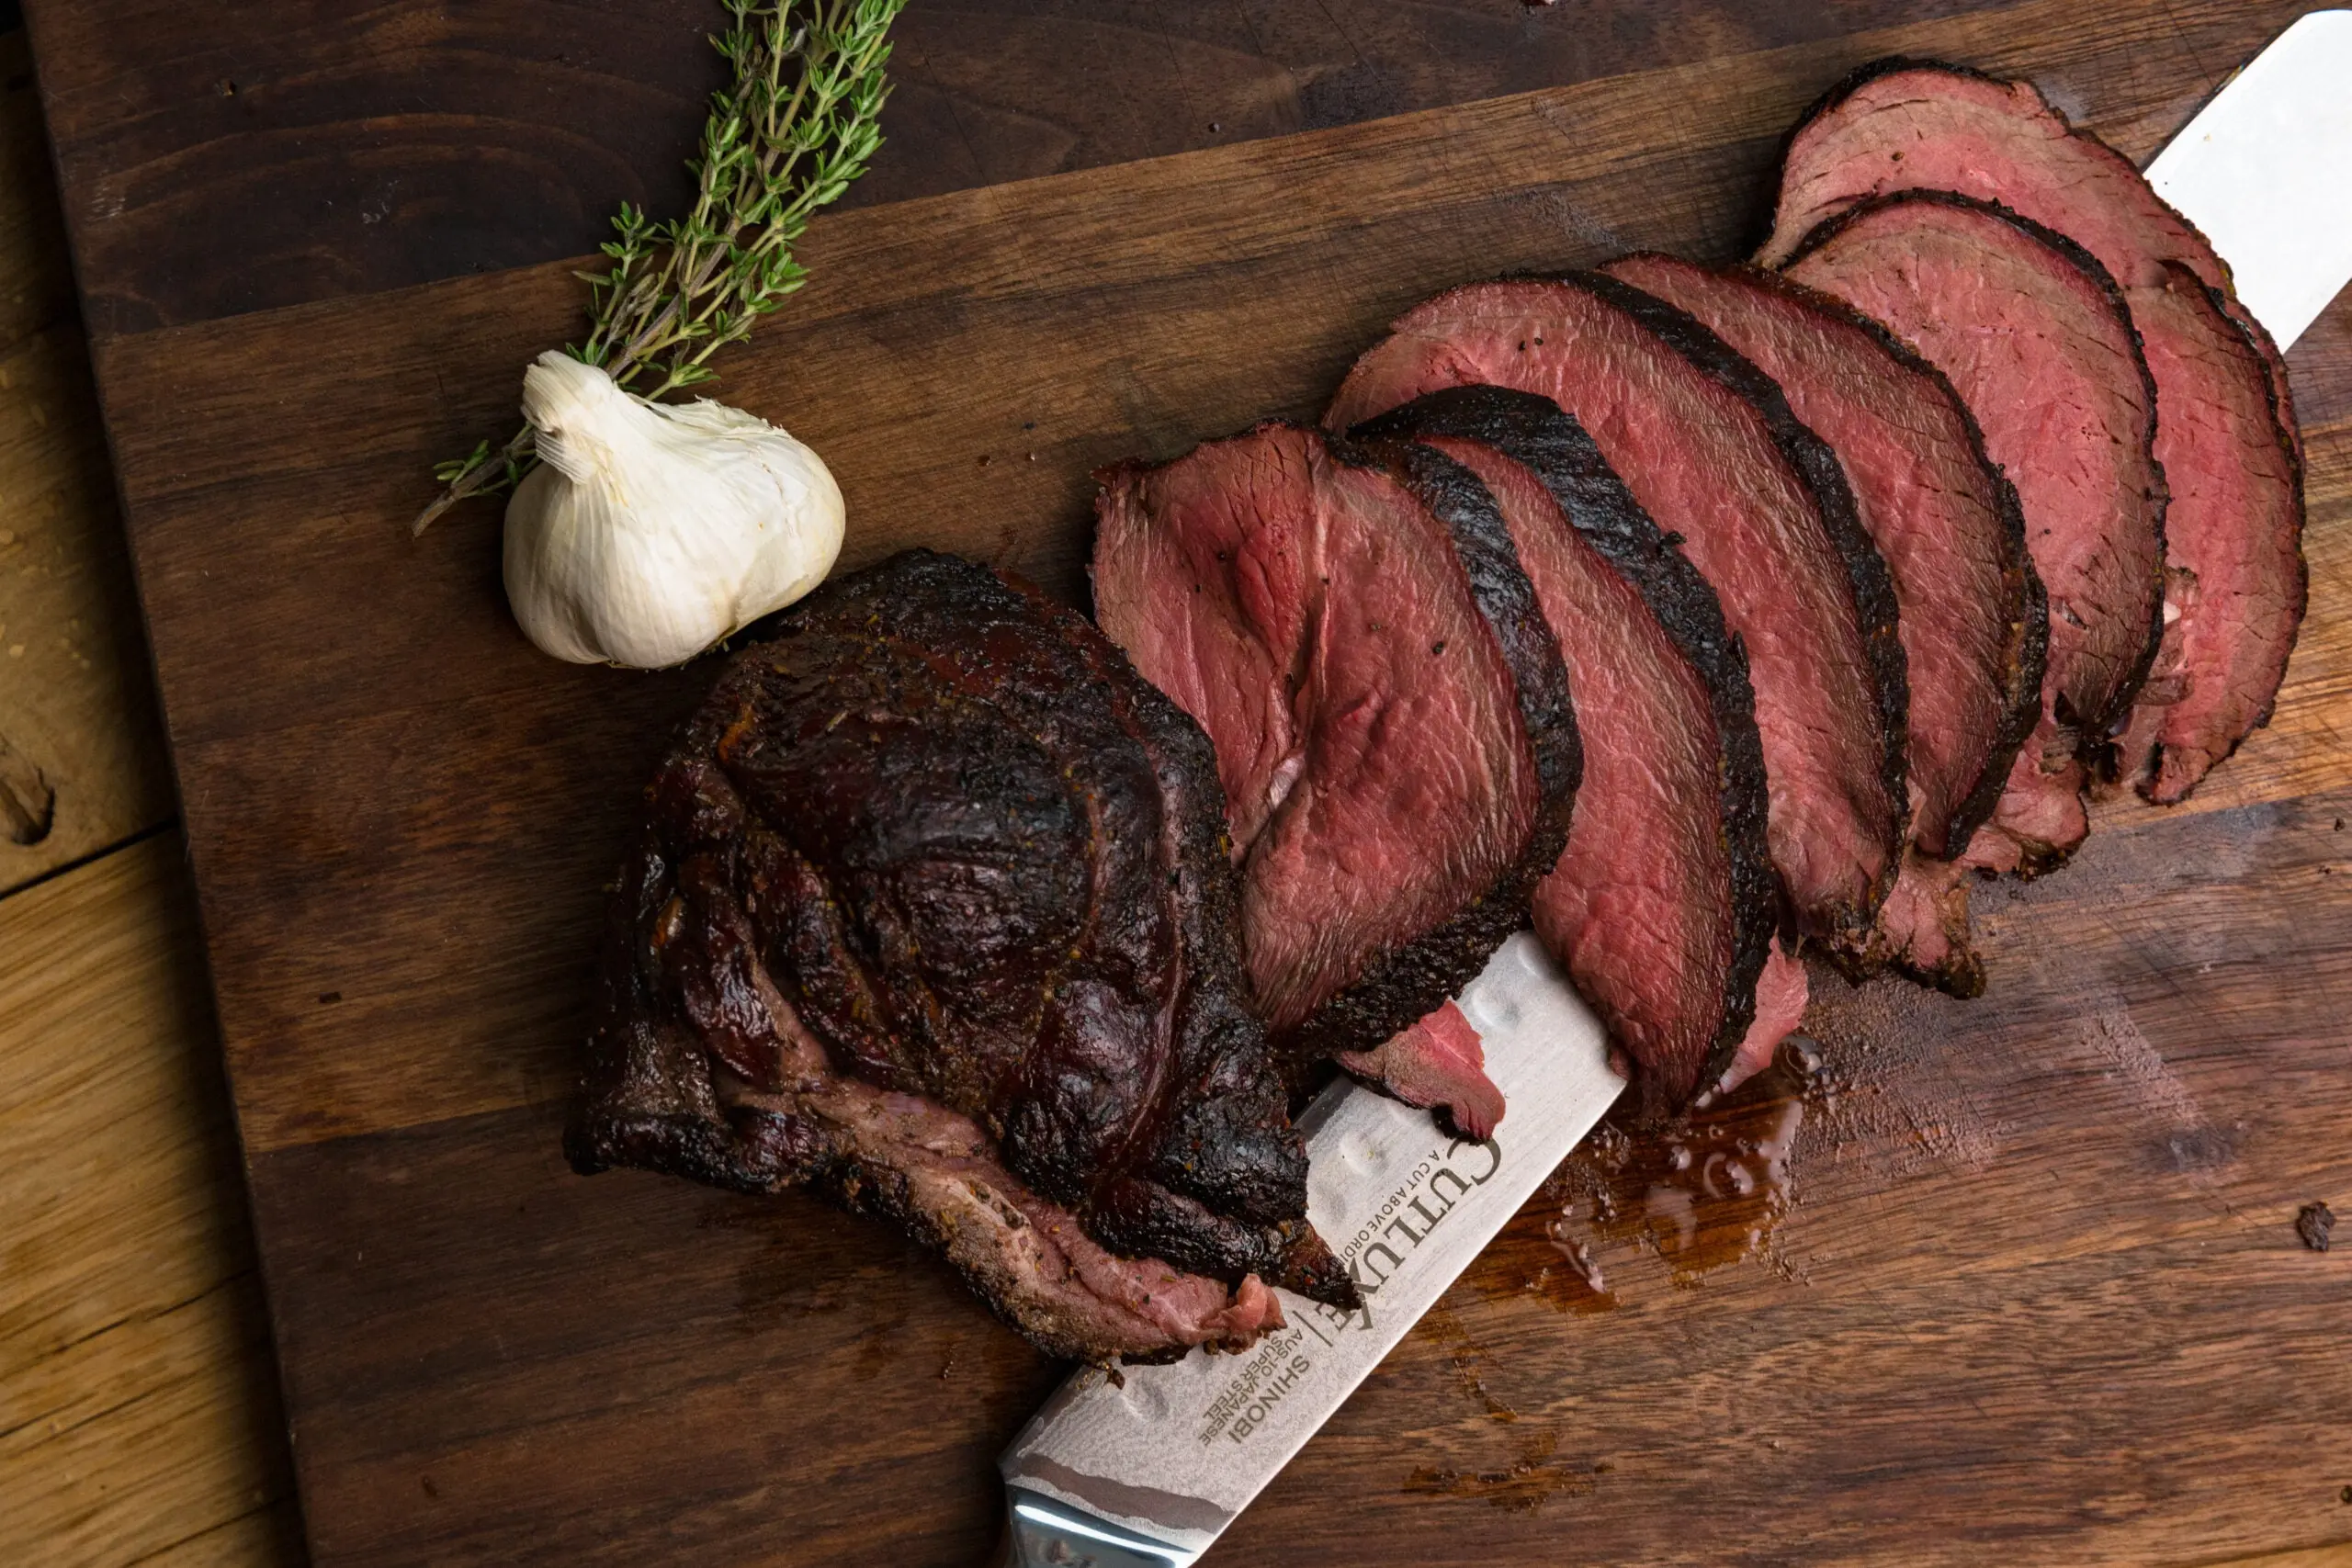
[{"x": 650, "y": 531}]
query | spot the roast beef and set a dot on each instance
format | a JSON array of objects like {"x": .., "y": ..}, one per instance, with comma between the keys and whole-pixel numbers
[
  {"x": 1391, "y": 719},
  {"x": 1974, "y": 621},
  {"x": 1708, "y": 447},
  {"x": 2034, "y": 334},
  {"x": 928, "y": 908},
  {"x": 1662, "y": 907},
  {"x": 2225, "y": 431}
]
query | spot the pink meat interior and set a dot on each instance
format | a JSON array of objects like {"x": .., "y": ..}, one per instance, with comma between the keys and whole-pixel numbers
[
  {"x": 2234, "y": 528},
  {"x": 2035, "y": 347},
  {"x": 1314, "y": 618},
  {"x": 1701, "y": 461},
  {"x": 1938, "y": 129},
  {"x": 1927, "y": 504}
]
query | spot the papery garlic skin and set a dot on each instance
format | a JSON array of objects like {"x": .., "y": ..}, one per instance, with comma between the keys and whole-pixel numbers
[{"x": 651, "y": 531}]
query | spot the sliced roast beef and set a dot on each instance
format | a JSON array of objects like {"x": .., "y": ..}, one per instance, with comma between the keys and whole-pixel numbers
[
  {"x": 2225, "y": 429},
  {"x": 1907, "y": 124},
  {"x": 2034, "y": 334},
  {"x": 1390, "y": 715},
  {"x": 1709, "y": 449},
  {"x": 1974, "y": 621},
  {"x": 928, "y": 908},
  {"x": 1662, "y": 906}
]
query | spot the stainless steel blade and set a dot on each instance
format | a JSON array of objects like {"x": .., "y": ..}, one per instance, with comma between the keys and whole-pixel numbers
[{"x": 2265, "y": 171}]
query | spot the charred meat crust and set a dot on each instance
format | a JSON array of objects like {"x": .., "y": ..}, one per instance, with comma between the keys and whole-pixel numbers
[
  {"x": 2029, "y": 605},
  {"x": 1873, "y": 587},
  {"x": 1854, "y": 81},
  {"x": 1404, "y": 984},
  {"x": 2093, "y": 728},
  {"x": 1534, "y": 432},
  {"x": 1193, "y": 1127},
  {"x": 729, "y": 948}
]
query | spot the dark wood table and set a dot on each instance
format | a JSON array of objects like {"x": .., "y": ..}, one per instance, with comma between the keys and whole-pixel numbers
[{"x": 2031, "y": 1288}]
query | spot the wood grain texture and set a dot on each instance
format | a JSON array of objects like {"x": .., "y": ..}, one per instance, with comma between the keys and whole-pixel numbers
[
  {"x": 227, "y": 159},
  {"x": 2040, "y": 1299},
  {"x": 137, "y": 1405},
  {"x": 139, "y": 1413},
  {"x": 35, "y": 274},
  {"x": 82, "y": 762}
]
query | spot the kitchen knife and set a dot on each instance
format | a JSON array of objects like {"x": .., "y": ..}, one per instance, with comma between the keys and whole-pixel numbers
[
  {"x": 2265, "y": 171},
  {"x": 1147, "y": 1470}
]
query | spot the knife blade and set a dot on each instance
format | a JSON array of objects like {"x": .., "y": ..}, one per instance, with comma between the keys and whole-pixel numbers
[
  {"x": 1147, "y": 1471},
  {"x": 2265, "y": 170}
]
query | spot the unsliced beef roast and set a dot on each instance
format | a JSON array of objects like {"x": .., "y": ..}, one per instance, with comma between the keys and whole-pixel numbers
[
  {"x": 1974, "y": 622},
  {"x": 1391, "y": 720},
  {"x": 2225, "y": 427},
  {"x": 930, "y": 908},
  {"x": 2034, "y": 334},
  {"x": 1709, "y": 449},
  {"x": 1662, "y": 906}
]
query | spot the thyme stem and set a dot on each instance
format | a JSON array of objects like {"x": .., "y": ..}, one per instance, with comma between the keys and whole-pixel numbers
[{"x": 800, "y": 119}]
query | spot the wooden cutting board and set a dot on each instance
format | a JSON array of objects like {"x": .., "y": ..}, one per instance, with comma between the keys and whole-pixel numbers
[{"x": 2023, "y": 1283}]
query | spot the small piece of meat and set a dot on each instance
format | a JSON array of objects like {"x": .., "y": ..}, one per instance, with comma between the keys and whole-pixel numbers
[
  {"x": 1707, "y": 446},
  {"x": 1782, "y": 992},
  {"x": 929, "y": 909},
  {"x": 1389, "y": 711},
  {"x": 1924, "y": 923},
  {"x": 2225, "y": 424},
  {"x": 1975, "y": 623},
  {"x": 1439, "y": 1064},
  {"x": 1661, "y": 907},
  {"x": 2033, "y": 334}
]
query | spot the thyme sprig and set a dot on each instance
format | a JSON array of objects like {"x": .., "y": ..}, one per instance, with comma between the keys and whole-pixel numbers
[{"x": 799, "y": 121}]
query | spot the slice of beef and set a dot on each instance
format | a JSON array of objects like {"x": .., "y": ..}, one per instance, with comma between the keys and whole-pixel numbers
[
  {"x": 1974, "y": 624},
  {"x": 2225, "y": 427},
  {"x": 1662, "y": 906},
  {"x": 1389, "y": 711},
  {"x": 1943, "y": 517},
  {"x": 2236, "y": 588},
  {"x": 2034, "y": 334},
  {"x": 1708, "y": 447},
  {"x": 928, "y": 908}
]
